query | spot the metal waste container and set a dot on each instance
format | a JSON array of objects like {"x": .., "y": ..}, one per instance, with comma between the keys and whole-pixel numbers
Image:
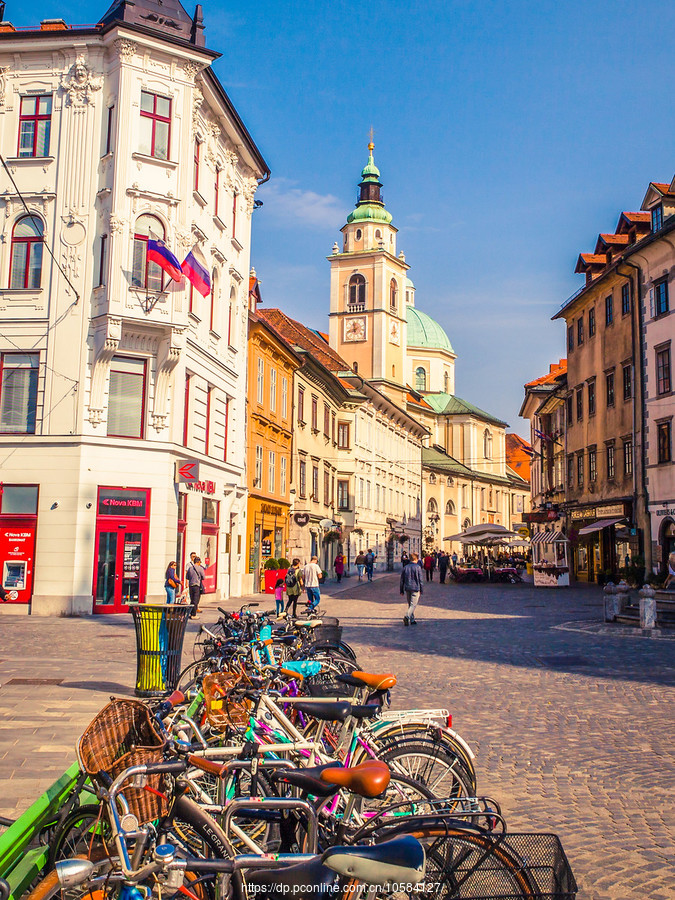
[{"x": 160, "y": 630}]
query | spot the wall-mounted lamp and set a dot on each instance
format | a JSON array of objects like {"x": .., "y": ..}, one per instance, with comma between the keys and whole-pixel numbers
[
  {"x": 89, "y": 505},
  {"x": 54, "y": 504}
]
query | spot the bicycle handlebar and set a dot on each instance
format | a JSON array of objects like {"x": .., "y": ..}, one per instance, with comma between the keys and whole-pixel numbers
[{"x": 176, "y": 767}]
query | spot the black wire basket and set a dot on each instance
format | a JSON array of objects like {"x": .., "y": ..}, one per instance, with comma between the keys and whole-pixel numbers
[{"x": 469, "y": 866}]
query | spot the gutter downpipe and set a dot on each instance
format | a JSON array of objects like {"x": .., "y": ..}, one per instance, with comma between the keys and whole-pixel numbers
[{"x": 640, "y": 492}]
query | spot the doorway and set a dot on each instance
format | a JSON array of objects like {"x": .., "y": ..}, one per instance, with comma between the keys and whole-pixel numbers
[{"x": 121, "y": 550}]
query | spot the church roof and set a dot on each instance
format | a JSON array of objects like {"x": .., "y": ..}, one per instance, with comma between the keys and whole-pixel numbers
[
  {"x": 369, "y": 212},
  {"x": 423, "y": 331},
  {"x": 450, "y": 404},
  {"x": 437, "y": 458}
]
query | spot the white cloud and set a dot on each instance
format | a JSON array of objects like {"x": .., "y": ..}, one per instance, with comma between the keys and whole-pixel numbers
[{"x": 283, "y": 200}]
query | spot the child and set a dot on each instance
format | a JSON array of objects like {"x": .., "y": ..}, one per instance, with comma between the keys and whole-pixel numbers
[{"x": 279, "y": 595}]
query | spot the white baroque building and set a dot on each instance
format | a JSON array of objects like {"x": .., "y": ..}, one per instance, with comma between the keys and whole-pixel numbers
[{"x": 113, "y": 133}]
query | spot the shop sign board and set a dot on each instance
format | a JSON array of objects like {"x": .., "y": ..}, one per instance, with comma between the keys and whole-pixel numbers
[
  {"x": 122, "y": 502},
  {"x": 187, "y": 471},
  {"x": 598, "y": 512},
  {"x": 266, "y": 548},
  {"x": 665, "y": 512},
  {"x": 202, "y": 487},
  {"x": 301, "y": 519},
  {"x": 270, "y": 510}
]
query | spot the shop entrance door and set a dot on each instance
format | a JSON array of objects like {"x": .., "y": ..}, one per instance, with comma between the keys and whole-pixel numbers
[{"x": 120, "y": 566}]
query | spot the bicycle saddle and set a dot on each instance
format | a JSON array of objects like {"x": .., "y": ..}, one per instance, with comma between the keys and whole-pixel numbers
[
  {"x": 368, "y": 779},
  {"x": 304, "y": 667},
  {"x": 400, "y": 860},
  {"x": 367, "y": 679},
  {"x": 369, "y": 711},
  {"x": 309, "y": 779},
  {"x": 308, "y": 623},
  {"x": 326, "y": 710}
]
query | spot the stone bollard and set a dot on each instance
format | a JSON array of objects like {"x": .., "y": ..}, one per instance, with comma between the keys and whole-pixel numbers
[
  {"x": 612, "y": 603},
  {"x": 647, "y": 607}
]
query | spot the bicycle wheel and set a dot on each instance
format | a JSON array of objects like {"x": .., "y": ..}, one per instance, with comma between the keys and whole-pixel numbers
[
  {"x": 466, "y": 863},
  {"x": 392, "y": 732},
  {"x": 83, "y": 832},
  {"x": 429, "y": 763}
]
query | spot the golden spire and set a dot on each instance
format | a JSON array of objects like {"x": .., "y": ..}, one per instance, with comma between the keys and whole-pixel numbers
[{"x": 371, "y": 145}]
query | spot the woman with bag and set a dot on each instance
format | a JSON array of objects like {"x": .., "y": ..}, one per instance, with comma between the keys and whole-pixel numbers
[{"x": 171, "y": 582}]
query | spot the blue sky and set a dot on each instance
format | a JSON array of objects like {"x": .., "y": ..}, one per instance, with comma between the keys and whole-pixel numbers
[{"x": 508, "y": 135}]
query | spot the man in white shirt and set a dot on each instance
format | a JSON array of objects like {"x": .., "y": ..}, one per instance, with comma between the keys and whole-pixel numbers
[{"x": 311, "y": 575}]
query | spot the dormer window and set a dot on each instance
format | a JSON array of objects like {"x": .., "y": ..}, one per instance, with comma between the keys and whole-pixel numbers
[
  {"x": 657, "y": 217},
  {"x": 357, "y": 293}
]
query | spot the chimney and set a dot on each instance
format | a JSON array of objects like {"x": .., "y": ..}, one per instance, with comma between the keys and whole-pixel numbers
[{"x": 53, "y": 25}]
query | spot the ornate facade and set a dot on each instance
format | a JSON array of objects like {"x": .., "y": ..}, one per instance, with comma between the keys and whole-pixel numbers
[{"x": 116, "y": 134}]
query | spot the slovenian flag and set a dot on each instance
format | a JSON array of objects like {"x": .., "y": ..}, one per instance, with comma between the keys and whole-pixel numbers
[
  {"x": 159, "y": 253},
  {"x": 196, "y": 272}
]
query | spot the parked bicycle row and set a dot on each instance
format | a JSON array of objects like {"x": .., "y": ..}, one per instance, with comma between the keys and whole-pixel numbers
[{"x": 279, "y": 768}]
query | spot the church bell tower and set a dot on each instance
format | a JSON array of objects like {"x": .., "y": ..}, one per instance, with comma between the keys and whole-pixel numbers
[{"x": 367, "y": 319}]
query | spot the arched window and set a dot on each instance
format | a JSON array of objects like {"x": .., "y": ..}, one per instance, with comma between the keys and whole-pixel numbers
[
  {"x": 432, "y": 478},
  {"x": 357, "y": 293},
  {"x": 446, "y": 382},
  {"x": 378, "y": 235},
  {"x": 25, "y": 268},
  {"x": 487, "y": 444},
  {"x": 358, "y": 234},
  {"x": 144, "y": 274},
  {"x": 466, "y": 524},
  {"x": 393, "y": 295},
  {"x": 450, "y": 508},
  {"x": 420, "y": 378},
  {"x": 432, "y": 506}
]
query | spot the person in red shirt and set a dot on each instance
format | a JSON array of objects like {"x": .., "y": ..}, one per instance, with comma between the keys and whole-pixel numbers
[{"x": 428, "y": 565}]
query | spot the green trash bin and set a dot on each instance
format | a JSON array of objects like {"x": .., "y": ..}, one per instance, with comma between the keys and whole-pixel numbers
[{"x": 160, "y": 630}]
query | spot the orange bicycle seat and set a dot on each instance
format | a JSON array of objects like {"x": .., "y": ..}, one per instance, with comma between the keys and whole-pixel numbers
[
  {"x": 368, "y": 779},
  {"x": 376, "y": 682}
]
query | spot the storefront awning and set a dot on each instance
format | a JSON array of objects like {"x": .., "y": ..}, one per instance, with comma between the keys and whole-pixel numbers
[
  {"x": 599, "y": 525},
  {"x": 549, "y": 537}
]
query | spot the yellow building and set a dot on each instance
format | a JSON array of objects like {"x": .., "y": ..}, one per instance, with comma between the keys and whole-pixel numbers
[{"x": 271, "y": 368}]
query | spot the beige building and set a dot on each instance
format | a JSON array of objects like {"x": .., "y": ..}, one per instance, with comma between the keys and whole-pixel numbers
[
  {"x": 356, "y": 458},
  {"x": 115, "y": 134}
]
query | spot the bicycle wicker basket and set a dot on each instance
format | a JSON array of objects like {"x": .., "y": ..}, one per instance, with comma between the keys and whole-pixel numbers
[
  {"x": 225, "y": 707},
  {"x": 125, "y": 734}
]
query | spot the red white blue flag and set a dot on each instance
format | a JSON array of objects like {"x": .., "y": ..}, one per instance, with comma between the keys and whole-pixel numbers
[
  {"x": 196, "y": 271},
  {"x": 159, "y": 253}
]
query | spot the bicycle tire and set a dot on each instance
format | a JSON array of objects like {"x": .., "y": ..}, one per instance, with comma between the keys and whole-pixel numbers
[
  {"x": 74, "y": 836},
  {"x": 388, "y": 737},
  {"x": 451, "y": 850},
  {"x": 431, "y": 765}
]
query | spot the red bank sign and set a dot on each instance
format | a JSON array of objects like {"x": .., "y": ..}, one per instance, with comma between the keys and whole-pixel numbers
[{"x": 122, "y": 502}]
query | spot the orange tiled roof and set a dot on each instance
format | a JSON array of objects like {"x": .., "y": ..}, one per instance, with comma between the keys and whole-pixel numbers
[
  {"x": 637, "y": 216},
  {"x": 660, "y": 186},
  {"x": 518, "y": 455},
  {"x": 410, "y": 398},
  {"x": 593, "y": 259},
  {"x": 554, "y": 372},
  {"x": 297, "y": 335},
  {"x": 613, "y": 238}
]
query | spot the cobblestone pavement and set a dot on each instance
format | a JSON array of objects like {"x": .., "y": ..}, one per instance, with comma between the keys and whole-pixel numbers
[{"x": 571, "y": 723}]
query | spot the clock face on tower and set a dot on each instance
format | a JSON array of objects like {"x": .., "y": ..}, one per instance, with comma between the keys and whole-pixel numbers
[
  {"x": 394, "y": 333},
  {"x": 355, "y": 329}
]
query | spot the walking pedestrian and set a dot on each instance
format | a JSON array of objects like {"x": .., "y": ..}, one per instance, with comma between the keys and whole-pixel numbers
[
  {"x": 360, "y": 564},
  {"x": 311, "y": 576},
  {"x": 442, "y": 565},
  {"x": 339, "y": 566},
  {"x": 404, "y": 559},
  {"x": 454, "y": 559},
  {"x": 279, "y": 595},
  {"x": 171, "y": 582},
  {"x": 427, "y": 566},
  {"x": 411, "y": 586},
  {"x": 294, "y": 586},
  {"x": 195, "y": 579},
  {"x": 370, "y": 564}
]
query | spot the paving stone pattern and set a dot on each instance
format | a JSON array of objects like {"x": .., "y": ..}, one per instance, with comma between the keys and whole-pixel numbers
[{"x": 571, "y": 722}]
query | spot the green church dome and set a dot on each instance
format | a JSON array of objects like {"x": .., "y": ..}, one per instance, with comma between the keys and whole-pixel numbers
[
  {"x": 423, "y": 331},
  {"x": 369, "y": 212}
]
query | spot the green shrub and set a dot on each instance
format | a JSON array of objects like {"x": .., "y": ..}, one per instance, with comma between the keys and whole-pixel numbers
[
  {"x": 271, "y": 563},
  {"x": 284, "y": 563}
]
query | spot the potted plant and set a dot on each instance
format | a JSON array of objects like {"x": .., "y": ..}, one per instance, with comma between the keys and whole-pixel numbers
[{"x": 271, "y": 568}]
